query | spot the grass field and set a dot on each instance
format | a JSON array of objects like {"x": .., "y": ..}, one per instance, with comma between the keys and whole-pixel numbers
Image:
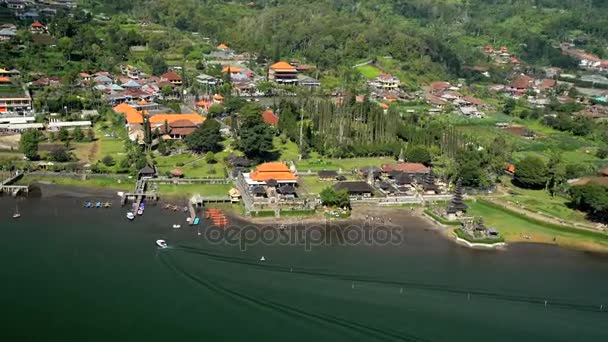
[
  {"x": 541, "y": 201},
  {"x": 287, "y": 151},
  {"x": 317, "y": 164},
  {"x": 191, "y": 189},
  {"x": 515, "y": 228},
  {"x": 369, "y": 71},
  {"x": 313, "y": 185}
]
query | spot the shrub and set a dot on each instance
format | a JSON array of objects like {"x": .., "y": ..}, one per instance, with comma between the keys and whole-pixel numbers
[{"x": 108, "y": 161}]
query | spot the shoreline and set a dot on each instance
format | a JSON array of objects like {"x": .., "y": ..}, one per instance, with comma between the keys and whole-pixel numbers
[{"x": 394, "y": 215}]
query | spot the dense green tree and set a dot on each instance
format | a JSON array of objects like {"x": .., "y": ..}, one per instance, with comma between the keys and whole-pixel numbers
[
  {"x": 556, "y": 173},
  {"x": 215, "y": 110},
  {"x": 29, "y": 143},
  {"x": 602, "y": 152},
  {"x": 162, "y": 147},
  {"x": 591, "y": 198},
  {"x": 509, "y": 106},
  {"x": 157, "y": 64},
  {"x": 255, "y": 136},
  {"x": 63, "y": 134},
  {"x": 77, "y": 134},
  {"x": 60, "y": 155},
  {"x": 108, "y": 160},
  {"x": 205, "y": 138},
  {"x": 531, "y": 172},
  {"x": 332, "y": 198},
  {"x": 418, "y": 154}
]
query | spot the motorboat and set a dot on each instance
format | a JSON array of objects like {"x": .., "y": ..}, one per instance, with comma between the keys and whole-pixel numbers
[
  {"x": 130, "y": 215},
  {"x": 88, "y": 204},
  {"x": 262, "y": 258},
  {"x": 176, "y": 226},
  {"x": 140, "y": 211},
  {"x": 196, "y": 220},
  {"x": 161, "y": 244},
  {"x": 98, "y": 205}
]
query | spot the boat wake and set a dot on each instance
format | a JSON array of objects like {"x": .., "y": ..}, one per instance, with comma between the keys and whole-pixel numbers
[
  {"x": 558, "y": 303},
  {"x": 297, "y": 313}
]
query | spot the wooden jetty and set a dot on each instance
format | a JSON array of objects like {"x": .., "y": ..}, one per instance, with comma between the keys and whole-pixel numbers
[
  {"x": 140, "y": 193},
  {"x": 8, "y": 187},
  {"x": 199, "y": 201}
]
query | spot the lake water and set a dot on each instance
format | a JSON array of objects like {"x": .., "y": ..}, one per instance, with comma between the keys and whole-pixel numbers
[{"x": 88, "y": 274}]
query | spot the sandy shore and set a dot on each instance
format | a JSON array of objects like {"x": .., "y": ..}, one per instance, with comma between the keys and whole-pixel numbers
[{"x": 385, "y": 216}]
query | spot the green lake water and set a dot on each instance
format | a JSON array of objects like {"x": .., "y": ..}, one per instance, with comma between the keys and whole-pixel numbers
[{"x": 70, "y": 273}]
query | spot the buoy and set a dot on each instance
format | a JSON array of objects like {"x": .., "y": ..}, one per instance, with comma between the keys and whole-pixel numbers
[{"x": 262, "y": 258}]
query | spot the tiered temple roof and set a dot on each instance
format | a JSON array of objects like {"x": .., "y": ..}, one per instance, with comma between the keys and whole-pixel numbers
[{"x": 457, "y": 203}]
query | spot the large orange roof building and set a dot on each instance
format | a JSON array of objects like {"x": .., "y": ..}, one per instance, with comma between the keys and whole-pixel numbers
[
  {"x": 277, "y": 171},
  {"x": 283, "y": 72}
]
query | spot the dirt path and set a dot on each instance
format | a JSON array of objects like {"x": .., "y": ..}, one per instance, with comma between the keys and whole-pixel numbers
[{"x": 93, "y": 151}]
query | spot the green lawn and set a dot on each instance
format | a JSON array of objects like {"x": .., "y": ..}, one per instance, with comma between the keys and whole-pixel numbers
[
  {"x": 191, "y": 189},
  {"x": 369, "y": 71},
  {"x": 313, "y": 185},
  {"x": 287, "y": 151},
  {"x": 541, "y": 201},
  {"x": 317, "y": 164},
  {"x": 514, "y": 227}
]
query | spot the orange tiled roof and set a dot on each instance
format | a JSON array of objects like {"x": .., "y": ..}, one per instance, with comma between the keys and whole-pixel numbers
[
  {"x": 272, "y": 167},
  {"x": 134, "y": 118},
  {"x": 142, "y": 102},
  {"x": 161, "y": 118},
  {"x": 282, "y": 66},
  {"x": 233, "y": 69},
  {"x": 4, "y": 79},
  {"x": 278, "y": 176},
  {"x": 222, "y": 47},
  {"x": 123, "y": 108}
]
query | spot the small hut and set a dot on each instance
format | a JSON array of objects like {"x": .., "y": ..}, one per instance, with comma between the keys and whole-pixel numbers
[
  {"x": 147, "y": 171},
  {"x": 327, "y": 175},
  {"x": 235, "y": 195}
]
